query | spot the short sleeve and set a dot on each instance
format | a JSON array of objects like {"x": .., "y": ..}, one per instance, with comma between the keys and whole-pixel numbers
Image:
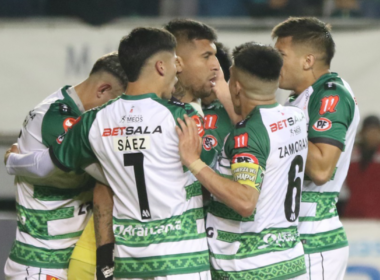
[
  {"x": 331, "y": 112},
  {"x": 72, "y": 150}
]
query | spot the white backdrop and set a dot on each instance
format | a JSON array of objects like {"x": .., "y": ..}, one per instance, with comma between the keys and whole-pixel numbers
[{"x": 36, "y": 58}]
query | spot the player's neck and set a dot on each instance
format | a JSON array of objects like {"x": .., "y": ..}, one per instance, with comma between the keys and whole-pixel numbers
[
  {"x": 84, "y": 90},
  {"x": 142, "y": 87},
  {"x": 310, "y": 79},
  {"x": 249, "y": 104},
  {"x": 188, "y": 97}
]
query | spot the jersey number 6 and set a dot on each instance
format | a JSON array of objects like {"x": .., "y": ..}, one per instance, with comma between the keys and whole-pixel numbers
[{"x": 293, "y": 194}]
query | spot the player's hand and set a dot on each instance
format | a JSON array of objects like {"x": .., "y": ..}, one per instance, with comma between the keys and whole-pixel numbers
[
  {"x": 221, "y": 88},
  {"x": 190, "y": 143},
  {"x": 12, "y": 149}
]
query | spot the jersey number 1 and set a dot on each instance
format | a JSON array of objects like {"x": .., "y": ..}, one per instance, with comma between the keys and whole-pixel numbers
[
  {"x": 137, "y": 161},
  {"x": 293, "y": 194}
]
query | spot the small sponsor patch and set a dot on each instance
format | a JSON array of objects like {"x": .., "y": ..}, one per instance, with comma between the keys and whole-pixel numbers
[
  {"x": 248, "y": 173},
  {"x": 48, "y": 277},
  {"x": 60, "y": 138},
  {"x": 244, "y": 157},
  {"x": 209, "y": 142},
  {"x": 134, "y": 143},
  {"x": 322, "y": 124}
]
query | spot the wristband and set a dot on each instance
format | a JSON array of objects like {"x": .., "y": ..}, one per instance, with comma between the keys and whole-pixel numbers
[
  {"x": 104, "y": 261},
  {"x": 196, "y": 166}
]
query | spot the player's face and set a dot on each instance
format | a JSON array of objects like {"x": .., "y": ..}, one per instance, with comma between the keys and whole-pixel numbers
[
  {"x": 292, "y": 69},
  {"x": 172, "y": 70},
  {"x": 200, "y": 67}
]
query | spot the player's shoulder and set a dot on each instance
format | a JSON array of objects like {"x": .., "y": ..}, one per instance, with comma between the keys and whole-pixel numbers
[
  {"x": 332, "y": 86},
  {"x": 177, "y": 108}
]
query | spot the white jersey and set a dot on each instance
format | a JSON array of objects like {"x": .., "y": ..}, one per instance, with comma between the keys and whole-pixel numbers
[
  {"x": 332, "y": 118},
  {"x": 272, "y": 140},
  {"x": 52, "y": 212},
  {"x": 158, "y": 218}
]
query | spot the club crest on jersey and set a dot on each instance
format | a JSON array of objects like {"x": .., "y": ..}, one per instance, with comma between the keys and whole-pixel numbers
[
  {"x": 322, "y": 124},
  {"x": 209, "y": 142},
  {"x": 244, "y": 157},
  {"x": 60, "y": 138},
  {"x": 328, "y": 104}
]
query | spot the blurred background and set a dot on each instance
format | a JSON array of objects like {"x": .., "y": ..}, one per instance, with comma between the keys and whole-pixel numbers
[{"x": 46, "y": 44}]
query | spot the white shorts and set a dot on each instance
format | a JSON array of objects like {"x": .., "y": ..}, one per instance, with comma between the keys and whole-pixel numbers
[
  {"x": 16, "y": 271},
  {"x": 328, "y": 265},
  {"x": 205, "y": 275}
]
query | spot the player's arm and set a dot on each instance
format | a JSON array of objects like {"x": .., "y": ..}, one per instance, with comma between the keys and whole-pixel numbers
[
  {"x": 222, "y": 92},
  {"x": 105, "y": 240},
  {"x": 242, "y": 198},
  {"x": 321, "y": 162}
]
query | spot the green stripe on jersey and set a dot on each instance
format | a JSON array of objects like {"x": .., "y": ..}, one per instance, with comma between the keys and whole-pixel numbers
[
  {"x": 283, "y": 270},
  {"x": 221, "y": 210},
  {"x": 35, "y": 222},
  {"x": 194, "y": 189},
  {"x": 324, "y": 241},
  {"x": 40, "y": 257},
  {"x": 253, "y": 244},
  {"x": 134, "y": 233},
  {"x": 326, "y": 205},
  {"x": 57, "y": 194},
  {"x": 150, "y": 267}
]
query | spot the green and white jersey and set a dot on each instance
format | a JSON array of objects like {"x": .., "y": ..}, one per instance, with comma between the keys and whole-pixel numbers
[
  {"x": 332, "y": 117},
  {"x": 272, "y": 140},
  {"x": 158, "y": 211},
  {"x": 217, "y": 125},
  {"x": 52, "y": 212}
]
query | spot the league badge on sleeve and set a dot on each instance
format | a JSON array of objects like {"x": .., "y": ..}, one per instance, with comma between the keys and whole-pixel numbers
[{"x": 322, "y": 124}]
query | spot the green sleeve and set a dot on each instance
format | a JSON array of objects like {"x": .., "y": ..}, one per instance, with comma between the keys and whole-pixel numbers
[
  {"x": 57, "y": 120},
  {"x": 72, "y": 150},
  {"x": 331, "y": 111}
]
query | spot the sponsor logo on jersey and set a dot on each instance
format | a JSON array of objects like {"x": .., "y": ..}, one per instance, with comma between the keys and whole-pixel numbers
[
  {"x": 241, "y": 141},
  {"x": 131, "y": 143},
  {"x": 279, "y": 239},
  {"x": 107, "y": 271},
  {"x": 242, "y": 123},
  {"x": 286, "y": 122},
  {"x": 328, "y": 104},
  {"x": 130, "y": 130},
  {"x": 209, "y": 142},
  {"x": 60, "y": 138},
  {"x": 126, "y": 232},
  {"x": 68, "y": 123},
  {"x": 323, "y": 124},
  {"x": 210, "y": 232},
  {"x": 330, "y": 86},
  {"x": 210, "y": 121},
  {"x": 244, "y": 157},
  {"x": 199, "y": 123},
  {"x": 132, "y": 118},
  {"x": 293, "y": 148},
  {"x": 63, "y": 108},
  {"x": 295, "y": 131}
]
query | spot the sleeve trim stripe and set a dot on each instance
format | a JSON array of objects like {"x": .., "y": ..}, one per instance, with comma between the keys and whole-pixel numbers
[
  {"x": 56, "y": 161},
  {"x": 329, "y": 141}
]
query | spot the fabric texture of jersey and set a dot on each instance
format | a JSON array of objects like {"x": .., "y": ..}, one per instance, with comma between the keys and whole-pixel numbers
[
  {"x": 158, "y": 215},
  {"x": 265, "y": 245},
  {"x": 332, "y": 117},
  {"x": 52, "y": 212},
  {"x": 217, "y": 125}
]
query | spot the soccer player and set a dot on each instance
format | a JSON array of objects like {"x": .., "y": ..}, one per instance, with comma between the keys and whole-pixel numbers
[
  {"x": 158, "y": 219},
  {"x": 252, "y": 224},
  {"x": 52, "y": 212},
  {"x": 307, "y": 47}
]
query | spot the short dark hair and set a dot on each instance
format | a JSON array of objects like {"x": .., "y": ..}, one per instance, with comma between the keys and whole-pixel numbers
[
  {"x": 309, "y": 30},
  {"x": 188, "y": 30},
  {"x": 110, "y": 63},
  {"x": 225, "y": 60},
  {"x": 262, "y": 61},
  {"x": 141, "y": 44}
]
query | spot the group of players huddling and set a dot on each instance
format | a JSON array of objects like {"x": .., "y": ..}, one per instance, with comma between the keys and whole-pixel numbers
[{"x": 187, "y": 176}]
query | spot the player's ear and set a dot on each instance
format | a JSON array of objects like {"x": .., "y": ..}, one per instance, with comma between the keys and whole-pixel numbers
[
  {"x": 309, "y": 62},
  {"x": 180, "y": 62},
  {"x": 160, "y": 67},
  {"x": 102, "y": 89}
]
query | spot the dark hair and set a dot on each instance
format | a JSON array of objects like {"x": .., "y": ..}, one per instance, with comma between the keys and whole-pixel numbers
[
  {"x": 225, "y": 60},
  {"x": 308, "y": 30},
  {"x": 188, "y": 29},
  {"x": 110, "y": 63},
  {"x": 262, "y": 61},
  {"x": 141, "y": 44}
]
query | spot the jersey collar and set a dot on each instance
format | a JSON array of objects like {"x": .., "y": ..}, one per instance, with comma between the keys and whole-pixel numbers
[
  {"x": 140, "y": 96},
  {"x": 258, "y": 107}
]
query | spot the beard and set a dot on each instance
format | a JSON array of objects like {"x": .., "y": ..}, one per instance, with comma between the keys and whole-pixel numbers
[{"x": 197, "y": 92}]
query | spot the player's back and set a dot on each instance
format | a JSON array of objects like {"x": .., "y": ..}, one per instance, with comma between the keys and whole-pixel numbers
[
  {"x": 158, "y": 214},
  {"x": 244, "y": 246}
]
